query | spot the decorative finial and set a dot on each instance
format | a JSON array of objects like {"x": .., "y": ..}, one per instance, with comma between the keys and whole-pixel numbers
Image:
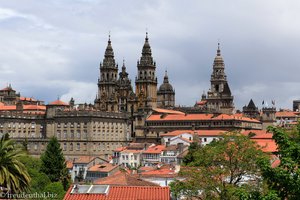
[
  {"x": 109, "y": 36},
  {"x": 218, "y": 51},
  {"x": 166, "y": 72},
  {"x": 146, "y": 33}
]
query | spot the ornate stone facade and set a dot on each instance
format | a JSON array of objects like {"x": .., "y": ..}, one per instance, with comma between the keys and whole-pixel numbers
[
  {"x": 117, "y": 95},
  {"x": 80, "y": 131}
]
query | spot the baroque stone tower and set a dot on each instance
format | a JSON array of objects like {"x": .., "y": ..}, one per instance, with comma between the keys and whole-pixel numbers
[
  {"x": 126, "y": 97},
  {"x": 166, "y": 94},
  {"x": 219, "y": 98},
  {"x": 107, "y": 99},
  {"x": 146, "y": 80}
]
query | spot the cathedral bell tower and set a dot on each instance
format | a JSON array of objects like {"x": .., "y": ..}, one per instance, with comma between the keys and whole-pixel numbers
[
  {"x": 146, "y": 80},
  {"x": 107, "y": 98},
  {"x": 124, "y": 88},
  {"x": 219, "y": 97}
]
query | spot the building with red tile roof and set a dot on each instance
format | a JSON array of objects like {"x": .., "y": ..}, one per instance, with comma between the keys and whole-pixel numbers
[
  {"x": 187, "y": 136},
  {"x": 124, "y": 179},
  {"x": 100, "y": 192},
  {"x": 82, "y": 164},
  {"x": 267, "y": 145},
  {"x": 151, "y": 156},
  {"x": 158, "y": 124},
  {"x": 100, "y": 170},
  {"x": 129, "y": 156},
  {"x": 286, "y": 118},
  {"x": 166, "y": 111},
  {"x": 163, "y": 175}
]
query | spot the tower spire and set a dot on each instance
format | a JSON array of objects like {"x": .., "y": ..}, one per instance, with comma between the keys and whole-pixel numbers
[
  {"x": 109, "y": 50},
  {"x": 218, "y": 51},
  {"x": 166, "y": 78}
]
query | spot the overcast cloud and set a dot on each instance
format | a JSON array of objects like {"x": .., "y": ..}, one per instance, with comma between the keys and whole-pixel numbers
[{"x": 53, "y": 48}]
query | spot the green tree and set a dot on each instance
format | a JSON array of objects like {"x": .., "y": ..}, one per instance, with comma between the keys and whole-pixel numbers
[
  {"x": 221, "y": 169},
  {"x": 194, "y": 147},
  {"x": 13, "y": 174},
  {"x": 55, "y": 190},
  {"x": 53, "y": 162},
  {"x": 285, "y": 179},
  {"x": 39, "y": 180}
]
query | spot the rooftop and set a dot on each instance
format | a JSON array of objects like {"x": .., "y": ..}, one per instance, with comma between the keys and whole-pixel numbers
[
  {"x": 96, "y": 192},
  {"x": 105, "y": 167},
  {"x": 123, "y": 178},
  {"x": 157, "y": 149}
]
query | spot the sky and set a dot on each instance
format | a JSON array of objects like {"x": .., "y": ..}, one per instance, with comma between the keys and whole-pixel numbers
[{"x": 52, "y": 49}]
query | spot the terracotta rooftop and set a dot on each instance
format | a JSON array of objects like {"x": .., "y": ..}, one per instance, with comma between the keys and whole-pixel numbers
[
  {"x": 160, "y": 110},
  {"x": 199, "y": 132},
  {"x": 268, "y": 145},
  {"x": 286, "y": 114},
  {"x": 157, "y": 149},
  {"x": 7, "y": 107},
  {"x": 86, "y": 159},
  {"x": 189, "y": 117},
  {"x": 8, "y": 88},
  {"x": 27, "y": 99},
  {"x": 34, "y": 107},
  {"x": 259, "y": 134},
  {"x": 119, "y": 149},
  {"x": 164, "y": 172},
  {"x": 69, "y": 164},
  {"x": 132, "y": 151},
  {"x": 105, "y": 167},
  {"x": 58, "y": 103},
  {"x": 123, "y": 193},
  {"x": 123, "y": 178}
]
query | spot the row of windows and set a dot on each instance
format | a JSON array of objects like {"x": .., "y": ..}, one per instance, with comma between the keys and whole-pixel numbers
[
  {"x": 132, "y": 157},
  {"x": 151, "y": 156},
  {"x": 101, "y": 146},
  {"x": 96, "y": 124},
  {"x": 71, "y": 146},
  {"x": 189, "y": 123},
  {"x": 72, "y": 135},
  {"x": 23, "y": 126}
]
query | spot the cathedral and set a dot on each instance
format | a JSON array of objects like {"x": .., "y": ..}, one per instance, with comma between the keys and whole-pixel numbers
[{"x": 115, "y": 91}]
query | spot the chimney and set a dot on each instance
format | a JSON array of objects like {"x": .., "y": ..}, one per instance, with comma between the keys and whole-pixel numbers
[
  {"x": 167, "y": 144},
  {"x": 180, "y": 147}
]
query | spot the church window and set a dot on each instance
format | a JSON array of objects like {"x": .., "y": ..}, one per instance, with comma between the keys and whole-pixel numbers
[{"x": 217, "y": 87}]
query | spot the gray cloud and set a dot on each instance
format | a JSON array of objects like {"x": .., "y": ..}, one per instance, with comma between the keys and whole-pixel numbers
[{"x": 54, "y": 48}]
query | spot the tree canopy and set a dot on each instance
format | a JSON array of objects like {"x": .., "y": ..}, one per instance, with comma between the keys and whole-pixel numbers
[
  {"x": 13, "y": 174},
  {"x": 285, "y": 178},
  {"x": 53, "y": 163},
  {"x": 222, "y": 169}
]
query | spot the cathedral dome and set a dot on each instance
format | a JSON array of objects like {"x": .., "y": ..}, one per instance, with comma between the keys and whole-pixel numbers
[{"x": 166, "y": 86}]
